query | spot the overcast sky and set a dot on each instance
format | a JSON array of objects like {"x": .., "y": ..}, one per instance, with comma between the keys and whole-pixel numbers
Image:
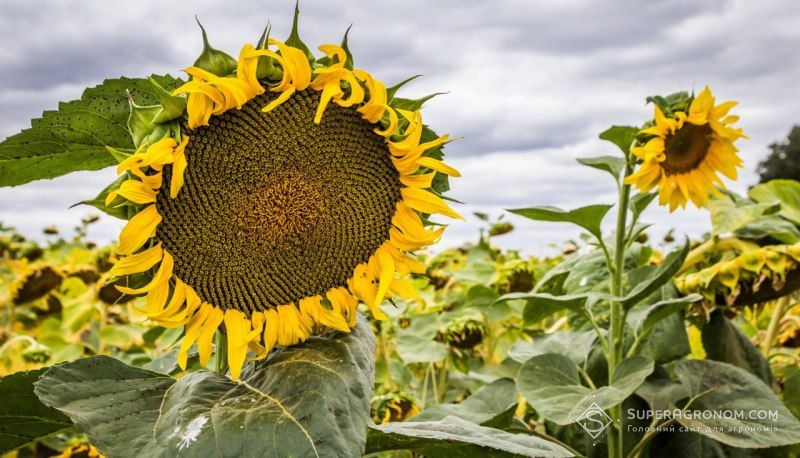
[{"x": 530, "y": 84}]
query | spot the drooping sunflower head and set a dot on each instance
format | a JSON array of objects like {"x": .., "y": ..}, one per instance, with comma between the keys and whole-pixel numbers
[
  {"x": 273, "y": 194},
  {"x": 393, "y": 407},
  {"x": 687, "y": 145},
  {"x": 33, "y": 281}
]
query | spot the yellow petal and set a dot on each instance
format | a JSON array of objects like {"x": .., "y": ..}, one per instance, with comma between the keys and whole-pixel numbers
[
  {"x": 163, "y": 274},
  {"x": 425, "y": 202},
  {"x": 138, "y": 230},
  {"x": 137, "y": 263}
]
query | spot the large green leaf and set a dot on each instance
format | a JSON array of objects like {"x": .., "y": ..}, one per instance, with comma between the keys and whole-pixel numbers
[
  {"x": 573, "y": 345},
  {"x": 611, "y": 164},
  {"x": 75, "y": 136},
  {"x": 552, "y": 385},
  {"x": 487, "y": 404},
  {"x": 728, "y": 215},
  {"x": 724, "y": 342},
  {"x": 656, "y": 278},
  {"x": 622, "y": 136},
  {"x": 787, "y": 192},
  {"x": 309, "y": 400},
  {"x": 23, "y": 417},
  {"x": 643, "y": 320},
  {"x": 453, "y": 436},
  {"x": 415, "y": 349},
  {"x": 719, "y": 388},
  {"x": 573, "y": 302},
  {"x": 589, "y": 217},
  {"x": 114, "y": 404}
]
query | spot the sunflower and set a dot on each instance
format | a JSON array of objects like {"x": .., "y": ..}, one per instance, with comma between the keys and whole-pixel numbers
[
  {"x": 686, "y": 149},
  {"x": 274, "y": 193}
]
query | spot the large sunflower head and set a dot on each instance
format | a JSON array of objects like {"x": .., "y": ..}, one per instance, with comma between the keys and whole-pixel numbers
[
  {"x": 273, "y": 194},
  {"x": 688, "y": 144}
]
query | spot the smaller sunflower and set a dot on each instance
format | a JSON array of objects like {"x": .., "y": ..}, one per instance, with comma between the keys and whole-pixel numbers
[{"x": 686, "y": 150}]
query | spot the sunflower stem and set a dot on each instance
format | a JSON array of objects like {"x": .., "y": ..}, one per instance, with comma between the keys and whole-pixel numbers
[
  {"x": 778, "y": 311},
  {"x": 617, "y": 325}
]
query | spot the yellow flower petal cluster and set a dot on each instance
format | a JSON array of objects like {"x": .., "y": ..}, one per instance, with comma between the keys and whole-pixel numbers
[{"x": 686, "y": 152}]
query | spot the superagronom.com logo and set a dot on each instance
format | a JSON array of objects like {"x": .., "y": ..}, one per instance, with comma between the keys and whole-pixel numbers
[{"x": 594, "y": 420}]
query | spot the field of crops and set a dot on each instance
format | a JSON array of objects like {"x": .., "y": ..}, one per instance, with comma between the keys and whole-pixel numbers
[{"x": 277, "y": 288}]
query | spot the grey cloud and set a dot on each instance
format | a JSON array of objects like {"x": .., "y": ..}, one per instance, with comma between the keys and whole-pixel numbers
[{"x": 531, "y": 84}]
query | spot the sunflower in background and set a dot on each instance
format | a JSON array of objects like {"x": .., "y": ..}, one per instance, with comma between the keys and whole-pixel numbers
[
  {"x": 273, "y": 193},
  {"x": 687, "y": 145}
]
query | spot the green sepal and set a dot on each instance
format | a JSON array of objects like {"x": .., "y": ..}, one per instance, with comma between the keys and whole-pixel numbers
[
  {"x": 348, "y": 62},
  {"x": 140, "y": 121},
  {"x": 117, "y": 154},
  {"x": 213, "y": 60},
  {"x": 167, "y": 129},
  {"x": 679, "y": 101},
  {"x": 294, "y": 37},
  {"x": 412, "y": 104},
  {"x": 172, "y": 106},
  {"x": 266, "y": 69},
  {"x": 390, "y": 92},
  {"x": 99, "y": 201}
]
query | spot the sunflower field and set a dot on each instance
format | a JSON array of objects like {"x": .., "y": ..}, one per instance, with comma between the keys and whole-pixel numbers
[{"x": 275, "y": 290}]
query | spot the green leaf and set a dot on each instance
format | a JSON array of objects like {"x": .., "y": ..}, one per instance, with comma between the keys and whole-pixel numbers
[
  {"x": 307, "y": 400},
  {"x": 589, "y": 217},
  {"x": 552, "y": 385},
  {"x": 639, "y": 202},
  {"x": 213, "y": 60},
  {"x": 455, "y": 437},
  {"x": 660, "y": 391},
  {"x": 611, "y": 164},
  {"x": 772, "y": 226},
  {"x": 23, "y": 417},
  {"x": 573, "y": 345},
  {"x": 643, "y": 320},
  {"x": 573, "y": 302},
  {"x": 656, "y": 278},
  {"x": 489, "y": 402},
  {"x": 114, "y": 404},
  {"x": 787, "y": 192},
  {"x": 622, "y": 136},
  {"x": 415, "y": 349},
  {"x": 729, "y": 216},
  {"x": 75, "y": 137},
  {"x": 721, "y": 387},
  {"x": 724, "y": 342}
]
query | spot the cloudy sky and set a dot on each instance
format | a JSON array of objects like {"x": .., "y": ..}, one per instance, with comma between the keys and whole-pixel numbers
[{"x": 530, "y": 84}]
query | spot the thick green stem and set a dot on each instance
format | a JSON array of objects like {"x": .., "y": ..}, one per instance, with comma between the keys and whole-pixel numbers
[{"x": 616, "y": 335}]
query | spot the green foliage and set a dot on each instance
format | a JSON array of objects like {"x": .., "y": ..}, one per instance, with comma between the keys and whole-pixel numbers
[
  {"x": 23, "y": 418},
  {"x": 589, "y": 217},
  {"x": 614, "y": 165},
  {"x": 716, "y": 386},
  {"x": 312, "y": 400},
  {"x": 452, "y": 436},
  {"x": 114, "y": 404},
  {"x": 783, "y": 161},
  {"x": 492, "y": 404},
  {"x": 622, "y": 136},
  {"x": 77, "y": 135},
  {"x": 552, "y": 384}
]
